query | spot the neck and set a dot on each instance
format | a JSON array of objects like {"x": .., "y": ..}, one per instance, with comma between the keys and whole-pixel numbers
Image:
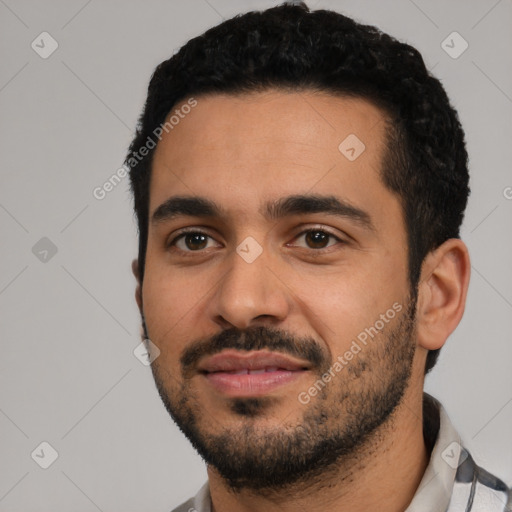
[{"x": 383, "y": 475}]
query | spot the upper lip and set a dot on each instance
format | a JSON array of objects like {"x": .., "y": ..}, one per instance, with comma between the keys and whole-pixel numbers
[{"x": 234, "y": 360}]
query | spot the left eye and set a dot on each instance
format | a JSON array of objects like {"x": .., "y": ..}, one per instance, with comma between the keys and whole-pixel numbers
[{"x": 317, "y": 238}]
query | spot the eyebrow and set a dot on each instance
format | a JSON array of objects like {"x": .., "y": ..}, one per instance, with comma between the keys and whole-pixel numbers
[{"x": 195, "y": 206}]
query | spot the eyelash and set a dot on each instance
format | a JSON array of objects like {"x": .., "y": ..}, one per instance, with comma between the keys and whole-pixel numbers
[{"x": 186, "y": 232}]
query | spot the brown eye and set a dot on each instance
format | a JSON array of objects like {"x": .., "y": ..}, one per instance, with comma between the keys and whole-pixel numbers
[
  {"x": 317, "y": 239},
  {"x": 191, "y": 241},
  {"x": 195, "y": 241}
]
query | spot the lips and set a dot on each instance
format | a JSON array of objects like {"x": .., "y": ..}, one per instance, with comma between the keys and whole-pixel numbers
[
  {"x": 247, "y": 371},
  {"x": 238, "y": 374},
  {"x": 231, "y": 361}
]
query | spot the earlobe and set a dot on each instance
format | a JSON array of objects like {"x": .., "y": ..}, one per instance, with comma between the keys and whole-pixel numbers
[{"x": 442, "y": 293}]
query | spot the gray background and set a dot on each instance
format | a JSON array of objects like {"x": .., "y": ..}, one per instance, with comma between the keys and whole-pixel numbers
[{"x": 69, "y": 323}]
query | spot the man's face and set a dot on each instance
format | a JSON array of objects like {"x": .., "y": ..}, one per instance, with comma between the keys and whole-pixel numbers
[{"x": 258, "y": 302}]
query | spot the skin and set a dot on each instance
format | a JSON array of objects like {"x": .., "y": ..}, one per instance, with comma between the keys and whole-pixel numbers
[{"x": 241, "y": 152}]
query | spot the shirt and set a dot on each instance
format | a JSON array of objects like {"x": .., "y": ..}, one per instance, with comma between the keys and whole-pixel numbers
[{"x": 452, "y": 481}]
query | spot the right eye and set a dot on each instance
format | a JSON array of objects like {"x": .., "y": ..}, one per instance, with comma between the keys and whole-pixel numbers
[{"x": 190, "y": 241}]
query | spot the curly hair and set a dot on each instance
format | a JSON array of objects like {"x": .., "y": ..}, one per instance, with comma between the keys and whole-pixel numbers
[{"x": 290, "y": 47}]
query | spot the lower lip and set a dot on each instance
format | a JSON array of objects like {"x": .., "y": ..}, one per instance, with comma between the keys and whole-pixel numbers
[{"x": 251, "y": 384}]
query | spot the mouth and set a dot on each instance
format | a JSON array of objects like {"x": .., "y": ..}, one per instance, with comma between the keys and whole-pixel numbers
[{"x": 243, "y": 374}]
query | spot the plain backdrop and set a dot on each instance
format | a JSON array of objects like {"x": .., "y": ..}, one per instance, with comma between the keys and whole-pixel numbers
[{"x": 69, "y": 323}]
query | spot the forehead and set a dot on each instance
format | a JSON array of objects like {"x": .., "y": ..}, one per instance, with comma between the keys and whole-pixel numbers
[{"x": 243, "y": 149}]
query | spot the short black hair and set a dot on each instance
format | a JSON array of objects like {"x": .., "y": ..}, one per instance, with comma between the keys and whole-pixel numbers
[{"x": 290, "y": 47}]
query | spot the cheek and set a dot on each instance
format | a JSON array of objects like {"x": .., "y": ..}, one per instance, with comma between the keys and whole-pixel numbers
[
  {"x": 339, "y": 306},
  {"x": 168, "y": 303},
  {"x": 335, "y": 309}
]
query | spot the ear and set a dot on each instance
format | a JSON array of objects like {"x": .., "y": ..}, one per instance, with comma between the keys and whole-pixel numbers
[
  {"x": 138, "y": 292},
  {"x": 442, "y": 293}
]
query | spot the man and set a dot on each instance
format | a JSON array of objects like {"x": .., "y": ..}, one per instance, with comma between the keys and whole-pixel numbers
[{"x": 300, "y": 266}]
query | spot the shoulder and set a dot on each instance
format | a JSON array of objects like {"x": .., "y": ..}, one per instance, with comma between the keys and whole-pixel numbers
[
  {"x": 187, "y": 506},
  {"x": 199, "y": 503},
  {"x": 480, "y": 490}
]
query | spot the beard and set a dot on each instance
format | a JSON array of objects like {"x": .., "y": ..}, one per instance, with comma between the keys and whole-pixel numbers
[{"x": 335, "y": 425}]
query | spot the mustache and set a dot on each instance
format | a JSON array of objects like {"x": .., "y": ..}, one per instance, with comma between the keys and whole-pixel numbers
[{"x": 255, "y": 338}]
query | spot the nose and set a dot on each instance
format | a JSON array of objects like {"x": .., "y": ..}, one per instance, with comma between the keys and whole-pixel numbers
[{"x": 249, "y": 294}]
